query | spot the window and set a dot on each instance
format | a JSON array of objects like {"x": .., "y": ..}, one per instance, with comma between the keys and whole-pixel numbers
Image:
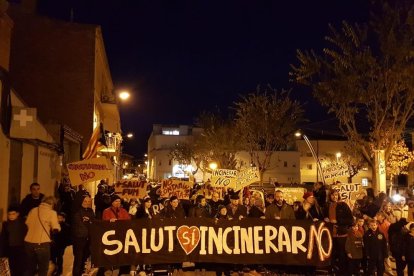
[
  {"x": 159, "y": 163},
  {"x": 364, "y": 182},
  {"x": 285, "y": 164},
  {"x": 169, "y": 162},
  {"x": 309, "y": 166},
  {"x": 170, "y": 132}
]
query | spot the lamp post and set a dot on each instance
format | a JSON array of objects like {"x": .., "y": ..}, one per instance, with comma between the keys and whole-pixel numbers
[{"x": 319, "y": 170}]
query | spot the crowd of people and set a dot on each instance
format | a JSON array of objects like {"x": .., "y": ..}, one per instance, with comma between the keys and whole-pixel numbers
[{"x": 367, "y": 236}]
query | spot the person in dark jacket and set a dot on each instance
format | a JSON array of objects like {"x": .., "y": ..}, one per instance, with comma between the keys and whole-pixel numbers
[
  {"x": 235, "y": 210},
  {"x": 32, "y": 200},
  {"x": 258, "y": 209},
  {"x": 309, "y": 209},
  {"x": 354, "y": 249},
  {"x": 279, "y": 209},
  {"x": 319, "y": 192},
  {"x": 408, "y": 250},
  {"x": 66, "y": 199},
  {"x": 102, "y": 199},
  {"x": 339, "y": 214},
  {"x": 214, "y": 203},
  {"x": 12, "y": 236},
  {"x": 173, "y": 210},
  {"x": 396, "y": 233},
  {"x": 80, "y": 235},
  {"x": 201, "y": 208},
  {"x": 375, "y": 246},
  {"x": 61, "y": 240},
  {"x": 145, "y": 210}
]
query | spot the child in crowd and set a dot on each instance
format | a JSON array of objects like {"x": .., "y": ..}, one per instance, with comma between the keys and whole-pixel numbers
[
  {"x": 354, "y": 248},
  {"x": 12, "y": 241},
  {"x": 375, "y": 246},
  {"x": 61, "y": 240}
]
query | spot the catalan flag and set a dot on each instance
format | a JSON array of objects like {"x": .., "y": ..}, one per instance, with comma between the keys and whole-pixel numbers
[{"x": 95, "y": 143}]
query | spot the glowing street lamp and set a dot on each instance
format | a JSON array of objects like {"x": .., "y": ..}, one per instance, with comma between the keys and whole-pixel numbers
[
  {"x": 213, "y": 166},
  {"x": 124, "y": 95},
  {"x": 130, "y": 135},
  {"x": 338, "y": 155}
]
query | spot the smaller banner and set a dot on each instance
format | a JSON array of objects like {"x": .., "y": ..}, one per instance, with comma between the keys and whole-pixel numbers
[
  {"x": 178, "y": 188},
  {"x": 335, "y": 170},
  {"x": 131, "y": 188},
  {"x": 292, "y": 194},
  {"x": 223, "y": 178},
  {"x": 246, "y": 177},
  {"x": 89, "y": 170},
  {"x": 350, "y": 192}
]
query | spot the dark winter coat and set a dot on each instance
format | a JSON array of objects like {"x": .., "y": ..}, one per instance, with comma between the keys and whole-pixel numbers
[
  {"x": 255, "y": 212},
  {"x": 375, "y": 245},
  {"x": 28, "y": 203},
  {"x": 80, "y": 227},
  {"x": 354, "y": 245},
  {"x": 284, "y": 212},
  {"x": 320, "y": 196},
  {"x": 169, "y": 212},
  {"x": 12, "y": 235},
  {"x": 142, "y": 214},
  {"x": 408, "y": 247},
  {"x": 240, "y": 211},
  {"x": 200, "y": 212},
  {"x": 344, "y": 217},
  {"x": 396, "y": 234}
]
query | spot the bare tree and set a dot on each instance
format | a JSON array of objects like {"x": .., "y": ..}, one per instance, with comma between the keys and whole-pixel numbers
[
  {"x": 366, "y": 77},
  {"x": 266, "y": 121}
]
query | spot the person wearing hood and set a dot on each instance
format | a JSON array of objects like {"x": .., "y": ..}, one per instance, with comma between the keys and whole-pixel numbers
[
  {"x": 40, "y": 222},
  {"x": 82, "y": 220},
  {"x": 32, "y": 200},
  {"x": 279, "y": 209}
]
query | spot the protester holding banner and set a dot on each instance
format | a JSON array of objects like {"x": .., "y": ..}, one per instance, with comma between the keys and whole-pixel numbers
[
  {"x": 115, "y": 212},
  {"x": 214, "y": 203},
  {"x": 201, "y": 209},
  {"x": 258, "y": 209},
  {"x": 339, "y": 214},
  {"x": 309, "y": 209},
  {"x": 235, "y": 210},
  {"x": 173, "y": 209},
  {"x": 81, "y": 235},
  {"x": 145, "y": 210},
  {"x": 279, "y": 209}
]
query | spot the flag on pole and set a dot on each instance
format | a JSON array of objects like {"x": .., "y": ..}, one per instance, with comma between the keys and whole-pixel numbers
[{"x": 97, "y": 141}]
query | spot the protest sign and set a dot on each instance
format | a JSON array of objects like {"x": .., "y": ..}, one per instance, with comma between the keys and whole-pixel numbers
[
  {"x": 223, "y": 178},
  {"x": 246, "y": 177},
  {"x": 335, "y": 169},
  {"x": 178, "y": 188},
  {"x": 292, "y": 194},
  {"x": 247, "y": 241},
  {"x": 131, "y": 188},
  {"x": 89, "y": 170},
  {"x": 349, "y": 192}
]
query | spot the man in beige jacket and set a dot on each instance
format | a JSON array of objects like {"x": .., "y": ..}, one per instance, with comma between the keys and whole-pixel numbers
[{"x": 41, "y": 222}]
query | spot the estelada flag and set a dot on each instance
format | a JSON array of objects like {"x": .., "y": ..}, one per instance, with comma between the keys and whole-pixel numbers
[{"x": 97, "y": 141}]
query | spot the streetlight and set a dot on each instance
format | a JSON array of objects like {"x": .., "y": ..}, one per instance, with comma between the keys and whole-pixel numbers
[
  {"x": 124, "y": 95},
  {"x": 319, "y": 170},
  {"x": 338, "y": 155},
  {"x": 213, "y": 166},
  {"x": 130, "y": 135}
]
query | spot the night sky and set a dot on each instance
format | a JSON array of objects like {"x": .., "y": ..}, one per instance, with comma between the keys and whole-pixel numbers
[{"x": 182, "y": 57}]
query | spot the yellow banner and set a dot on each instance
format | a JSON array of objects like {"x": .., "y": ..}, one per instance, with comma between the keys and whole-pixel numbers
[
  {"x": 179, "y": 188},
  {"x": 131, "y": 188},
  {"x": 89, "y": 170},
  {"x": 224, "y": 178}
]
